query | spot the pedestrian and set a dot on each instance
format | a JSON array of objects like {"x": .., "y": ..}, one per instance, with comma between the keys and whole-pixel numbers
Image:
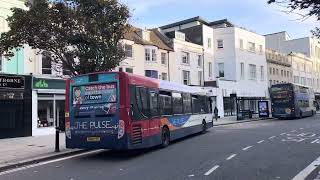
[{"x": 216, "y": 113}]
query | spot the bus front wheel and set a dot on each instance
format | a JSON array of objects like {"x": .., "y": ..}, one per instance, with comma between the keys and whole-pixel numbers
[
  {"x": 165, "y": 137},
  {"x": 204, "y": 126}
]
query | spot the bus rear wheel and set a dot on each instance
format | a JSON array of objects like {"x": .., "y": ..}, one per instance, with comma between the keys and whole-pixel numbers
[{"x": 165, "y": 137}]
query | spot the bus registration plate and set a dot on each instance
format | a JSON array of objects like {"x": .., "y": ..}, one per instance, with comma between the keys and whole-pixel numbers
[{"x": 93, "y": 139}]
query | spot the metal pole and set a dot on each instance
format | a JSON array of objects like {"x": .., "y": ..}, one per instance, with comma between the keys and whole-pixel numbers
[{"x": 57, "y": 149}]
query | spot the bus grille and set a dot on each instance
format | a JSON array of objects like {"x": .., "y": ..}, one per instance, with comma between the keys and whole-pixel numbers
[{"x": 136, "y": 134}]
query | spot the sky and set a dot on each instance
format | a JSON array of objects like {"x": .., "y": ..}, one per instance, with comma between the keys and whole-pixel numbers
[{"x": 255, "y": 15}]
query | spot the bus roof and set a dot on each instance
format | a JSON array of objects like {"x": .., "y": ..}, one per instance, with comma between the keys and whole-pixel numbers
[{"x": 165, "y": 85}]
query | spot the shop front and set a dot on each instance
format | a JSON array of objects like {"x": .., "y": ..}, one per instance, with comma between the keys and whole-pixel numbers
[
  {"x": 15, "y": 106},
  {"x": 48, "y": 104}
]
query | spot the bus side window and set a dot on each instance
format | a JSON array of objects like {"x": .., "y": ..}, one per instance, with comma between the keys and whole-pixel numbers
[
  {"x": 187, "y": 103},
  {"x": 195, "y": 105},
  {"x": 139, "y": 103},
  {"x": 144, "y": 107},
  {"x": 154, "y": 105},
  {"x": 136, "y": 115},
  {"x": 165, "y": 103},
  {"x": 177, "y": 103}
]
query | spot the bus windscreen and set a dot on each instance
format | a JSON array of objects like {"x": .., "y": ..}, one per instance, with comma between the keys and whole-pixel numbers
[{"x": 281, "y": 94}]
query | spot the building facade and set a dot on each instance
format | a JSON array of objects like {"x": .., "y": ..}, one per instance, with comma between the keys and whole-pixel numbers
[
  {"x": 241, "y": 66},
  {"x": 304, "y": 54},
  {"x": 279, "y": 67}
]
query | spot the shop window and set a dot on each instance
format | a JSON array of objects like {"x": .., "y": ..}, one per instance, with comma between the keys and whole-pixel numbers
[{"x": 45, "y": 114}]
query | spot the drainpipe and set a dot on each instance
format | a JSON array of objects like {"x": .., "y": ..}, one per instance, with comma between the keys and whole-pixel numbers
[
  {"x": 203, "y": 66},
  {"x": 168, "y": 62}
]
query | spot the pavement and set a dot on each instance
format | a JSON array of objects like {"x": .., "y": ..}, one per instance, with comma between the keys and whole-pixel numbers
[
  {"x": 26, "y": 150},
  {"x": 264, "y": 150}
]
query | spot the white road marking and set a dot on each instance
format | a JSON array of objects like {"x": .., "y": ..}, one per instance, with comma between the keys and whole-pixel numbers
[
  {"x": 282, "y": 134},
  {"x": 191, "y": 175},
  {"x": 48, "y": 162},
  {"x": 272, "y": 137},
  {"x": 309, "y": 169},
  {"x": 294, "y": 131},
  {"x": 231, "y": 156},
  {"x": 259, "y": 142},
  {"x": 211, "y": 170},
  {"x": 301, "y": 128},
  {"x": 246, "y": 148}
]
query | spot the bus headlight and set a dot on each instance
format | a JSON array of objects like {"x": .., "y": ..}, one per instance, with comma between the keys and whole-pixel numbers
[
  {"x": 121, "y": 129},
  {"x": 288, "y": 111}
]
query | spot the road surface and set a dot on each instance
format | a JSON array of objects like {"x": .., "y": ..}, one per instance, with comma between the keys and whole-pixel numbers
[{"x": 261, "y": 150}]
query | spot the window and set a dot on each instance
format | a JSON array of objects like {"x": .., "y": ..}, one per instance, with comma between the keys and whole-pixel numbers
[
  {"x": 65, "y": 70},
  {"x": 220, "y": 44},
  {"x": 147, "y": 54},
  {"x": 262, "y": 73},
  {"x": 270, "y": 70},
  {"x": 154, "y": 108},
  {"x": 210, "y": 69},
  {"x": 242, "y": 70},
  {"x": 199, "y": 104},
  {"x": 165, "y": 103},
  {"x": 270, "y": 82},
  {"x": 128, "y": 50},
  {"x": 200, "y": 77},
  {"x": 151, "y": 73},
  {"x": 177, "y": 103},
  {"x": 281, "y": 72},
  {"x": 164, "y": 58},
  {"x": 253, "y": 71},
  {"x": 277, "y": 71},
  {"x": 221, "y": 69},
  {"x": 164, "y": 76},
  {"x": 251, "y": 46},
  {"x": 273, "y": 71},
  {"x": 185, "y": 58},
  {"x": 209, "y": 42},
  {"x": 296, "y": 79},
  {"x": 260, "y": 48},
  {"x": 186, "y": 77},
  {"x": 303, "y": 81},
  {"x": 1, "y": 64},
  {"x": 46, "y": 63},
  {"x": 187, "y": 103},
  {"x": 154, "y": 55},
  {"x": 120, "y": 69},
  {"x": 241, "y": 44},
  {"x": 199, "y": 60},
  {"x": 129, "y": 70}
]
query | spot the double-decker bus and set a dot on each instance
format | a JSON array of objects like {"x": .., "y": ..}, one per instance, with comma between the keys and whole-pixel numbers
[
  {"x": 117, "y": 110},
  {"x": 292, "y": 101}
]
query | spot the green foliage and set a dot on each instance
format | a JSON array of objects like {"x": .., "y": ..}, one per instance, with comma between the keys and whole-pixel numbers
[{"x": 81, "y": 35}]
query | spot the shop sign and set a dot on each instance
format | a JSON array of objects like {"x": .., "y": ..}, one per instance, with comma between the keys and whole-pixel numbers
[
  {"x": 41, "y": 83},
  {"x": 11, "y": 82}
]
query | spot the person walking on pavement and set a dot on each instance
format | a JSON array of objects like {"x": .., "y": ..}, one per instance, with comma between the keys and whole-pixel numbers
[{"x": 216, "y": 113}]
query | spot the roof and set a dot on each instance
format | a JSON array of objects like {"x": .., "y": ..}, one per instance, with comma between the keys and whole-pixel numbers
[
  {"x": 186, "y": 21},
  {"x": 222, "y": 21},
  {"x": 156, "y": 38},
  {"x": 276, "y": 33}
]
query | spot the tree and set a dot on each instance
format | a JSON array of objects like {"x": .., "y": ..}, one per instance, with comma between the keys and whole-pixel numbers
[
  {"x": 82, "y": 36},
  {"x": 306, "y": 8}
]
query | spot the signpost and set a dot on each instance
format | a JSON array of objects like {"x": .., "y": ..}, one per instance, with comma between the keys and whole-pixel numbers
[{"x": 263, "y": 109}]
